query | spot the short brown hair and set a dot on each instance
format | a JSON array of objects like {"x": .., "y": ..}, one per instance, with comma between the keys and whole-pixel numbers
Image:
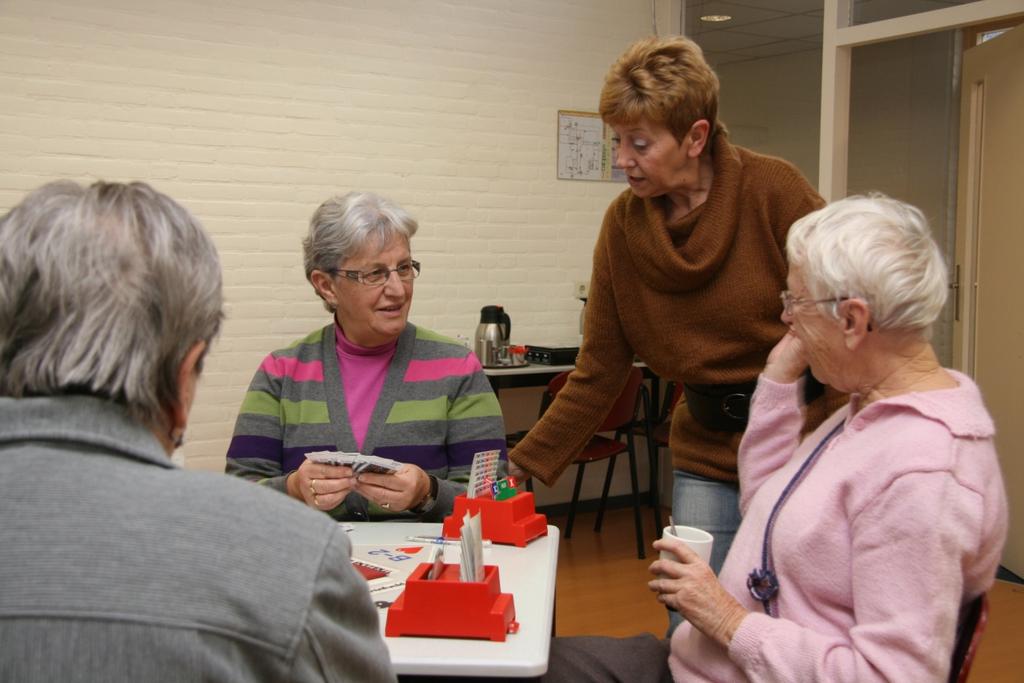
[{"x": 662, "y": 80}]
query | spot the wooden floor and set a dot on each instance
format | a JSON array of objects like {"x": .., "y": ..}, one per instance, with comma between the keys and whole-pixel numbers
[{"x": 602, "y": 590}]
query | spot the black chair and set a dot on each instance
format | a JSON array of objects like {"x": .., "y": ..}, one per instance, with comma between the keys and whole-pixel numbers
[
  {"x": 623, "y": 418},
  {"x": 657, "y": 432}
]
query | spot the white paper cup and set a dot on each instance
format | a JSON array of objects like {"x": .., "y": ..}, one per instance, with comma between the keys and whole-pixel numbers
[{"x": 698, "y": 540}]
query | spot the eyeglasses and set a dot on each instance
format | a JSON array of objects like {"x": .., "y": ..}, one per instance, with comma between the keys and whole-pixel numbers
[
  {"x": 789, "y": 302},
  {"x": 378, "y": 276}
]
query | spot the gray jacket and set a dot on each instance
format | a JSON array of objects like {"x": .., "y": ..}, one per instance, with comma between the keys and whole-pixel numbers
[{"x": 116, "y": 565}]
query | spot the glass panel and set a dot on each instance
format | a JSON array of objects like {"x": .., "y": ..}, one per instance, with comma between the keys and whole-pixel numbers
[
  {"x": 772, "y": 105},
  {"x": 866, "y": 11},
  {"x": 768, "y": 61},
  {"x": 904, "y": 111}
]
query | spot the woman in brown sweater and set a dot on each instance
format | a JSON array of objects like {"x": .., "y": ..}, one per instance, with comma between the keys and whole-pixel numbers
[{"x": 687, "y": 273}]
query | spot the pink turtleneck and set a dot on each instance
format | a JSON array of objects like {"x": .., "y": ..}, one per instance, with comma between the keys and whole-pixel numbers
[{"x": 363, "y": 371}]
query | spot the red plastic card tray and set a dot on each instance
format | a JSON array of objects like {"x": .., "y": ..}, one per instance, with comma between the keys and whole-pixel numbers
[
  {"x": 514, "y": 521},
  {"x": 451, "y": 608}
]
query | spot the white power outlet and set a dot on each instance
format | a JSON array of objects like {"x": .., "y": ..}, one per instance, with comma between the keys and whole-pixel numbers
[{"x": 581, "y": 289}]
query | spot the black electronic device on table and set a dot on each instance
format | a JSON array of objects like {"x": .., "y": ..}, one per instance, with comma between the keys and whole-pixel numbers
[{"x": 552, "y": 355}]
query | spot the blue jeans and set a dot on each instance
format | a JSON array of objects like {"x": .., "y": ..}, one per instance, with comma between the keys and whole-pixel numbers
[{"x": 707, "y": 504}]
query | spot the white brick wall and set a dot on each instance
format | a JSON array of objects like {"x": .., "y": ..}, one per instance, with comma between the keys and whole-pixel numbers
[{"x": 251, "y": 112}]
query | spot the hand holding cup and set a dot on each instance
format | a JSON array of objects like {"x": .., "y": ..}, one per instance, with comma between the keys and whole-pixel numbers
[{"x": 684, "y": 582}]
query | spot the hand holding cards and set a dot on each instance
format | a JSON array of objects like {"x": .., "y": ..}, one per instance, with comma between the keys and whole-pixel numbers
[{"x": 357, "y": 461}]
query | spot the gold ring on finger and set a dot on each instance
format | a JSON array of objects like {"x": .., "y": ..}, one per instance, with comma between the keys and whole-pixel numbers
[
  {"x": 312, "y": 486},
  {"x": 316, "y": 501}
]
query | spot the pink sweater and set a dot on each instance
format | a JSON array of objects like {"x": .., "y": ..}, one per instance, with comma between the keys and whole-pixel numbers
[{"x": 900, "y": 522}]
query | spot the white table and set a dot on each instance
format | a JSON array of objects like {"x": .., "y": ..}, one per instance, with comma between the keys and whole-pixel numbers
[
  {"x": 531, "y": 375},
  {"x": 527, "y": 573},
  {"x": 529, "y": 369}
]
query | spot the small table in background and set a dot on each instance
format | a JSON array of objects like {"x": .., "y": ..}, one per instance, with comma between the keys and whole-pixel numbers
[
  {"x": 538, "y": 375},
  {"x": 532, "y": 375}
]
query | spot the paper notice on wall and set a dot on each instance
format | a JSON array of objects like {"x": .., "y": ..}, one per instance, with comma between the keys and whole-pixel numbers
[{"x": 585, "y": 148}]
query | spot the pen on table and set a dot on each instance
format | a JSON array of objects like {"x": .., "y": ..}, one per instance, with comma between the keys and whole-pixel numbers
[{"x": 440, "y": 540}]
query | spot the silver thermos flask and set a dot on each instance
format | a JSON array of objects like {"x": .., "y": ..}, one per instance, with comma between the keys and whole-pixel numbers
[{"x": 492, "y": 336}]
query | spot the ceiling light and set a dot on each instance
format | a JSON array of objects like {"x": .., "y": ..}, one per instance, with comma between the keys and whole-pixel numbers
[{"x": 715, "y": 18}]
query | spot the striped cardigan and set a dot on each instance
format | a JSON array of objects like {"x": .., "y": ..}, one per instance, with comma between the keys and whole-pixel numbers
[{"x": 436, "y": 410}]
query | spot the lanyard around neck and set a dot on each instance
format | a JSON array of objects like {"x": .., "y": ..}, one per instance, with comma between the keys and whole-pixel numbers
[{"x": 762, "y": 581}]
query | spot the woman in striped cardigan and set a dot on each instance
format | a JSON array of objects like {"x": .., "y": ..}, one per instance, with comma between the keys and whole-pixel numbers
[{"x": 369, "y": 382}]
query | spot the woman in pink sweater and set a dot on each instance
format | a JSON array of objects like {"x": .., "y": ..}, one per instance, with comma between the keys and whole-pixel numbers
[{"x": 861, "y": 544}]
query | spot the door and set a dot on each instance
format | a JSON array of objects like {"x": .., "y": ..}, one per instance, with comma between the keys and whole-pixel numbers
[{"x": 988, "y": 328}]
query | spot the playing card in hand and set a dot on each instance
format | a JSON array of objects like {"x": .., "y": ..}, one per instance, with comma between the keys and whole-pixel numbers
[{"x": 357, "y": 461}]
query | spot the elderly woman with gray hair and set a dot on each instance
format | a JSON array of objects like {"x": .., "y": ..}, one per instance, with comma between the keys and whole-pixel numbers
[
  {"x": 860, "y": 544},
  {"x": 369, "y": 382},
  {"x": 116, "y": 564}
]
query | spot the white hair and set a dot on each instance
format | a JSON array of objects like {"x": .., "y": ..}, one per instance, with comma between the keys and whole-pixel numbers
[
  {"x": 342, "y": 226},
  {"x": 877, "y": 249},
  {"x": 103, "y": 290}
]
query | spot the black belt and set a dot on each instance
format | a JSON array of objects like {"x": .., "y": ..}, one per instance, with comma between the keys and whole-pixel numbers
[
  {"x": 720, "y": 407},
  {"x": 726, "y": 407}
]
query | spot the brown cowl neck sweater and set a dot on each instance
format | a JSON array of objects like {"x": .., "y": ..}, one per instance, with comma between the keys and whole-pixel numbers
[{"x": 697, "y": 300}]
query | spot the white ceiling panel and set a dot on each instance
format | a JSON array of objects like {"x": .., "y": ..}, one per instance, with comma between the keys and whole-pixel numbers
[
  {"x": 727, "y": 41},
  {"x": 783, "y": 47},
  {"x": 717, "y": 59},
  {"x": 787, "y": 6},
  {"x": 795, "y": 26},
  {"x": 769, "y": 28},
  {"x": 740, "y": 14}
]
